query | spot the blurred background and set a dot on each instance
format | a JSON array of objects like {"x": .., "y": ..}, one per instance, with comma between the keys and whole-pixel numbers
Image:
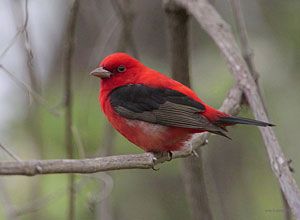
[{"x": 240, "y": 182}]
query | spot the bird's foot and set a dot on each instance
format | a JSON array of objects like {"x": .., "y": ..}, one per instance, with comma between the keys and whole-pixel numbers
[{"x": 161, "y": 155}]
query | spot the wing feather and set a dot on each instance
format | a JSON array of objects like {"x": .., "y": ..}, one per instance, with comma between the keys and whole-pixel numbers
[{"x": 160, "y": 106}]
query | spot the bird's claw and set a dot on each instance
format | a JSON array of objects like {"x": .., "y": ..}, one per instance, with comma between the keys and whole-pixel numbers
[
  {"x": 154, "y": 168},
  {"x": 154, "y": 161},
  {"x": 158, "y": 155}
]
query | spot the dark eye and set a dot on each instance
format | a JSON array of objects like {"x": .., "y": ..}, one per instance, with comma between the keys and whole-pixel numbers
[{"x": 121, "y": 68}]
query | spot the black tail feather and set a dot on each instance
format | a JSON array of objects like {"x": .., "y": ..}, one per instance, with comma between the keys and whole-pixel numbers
[{"x": 232, "y": 120}]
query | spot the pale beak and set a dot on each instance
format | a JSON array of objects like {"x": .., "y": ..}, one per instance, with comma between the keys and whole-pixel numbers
[{"x": 101, "y": 73}]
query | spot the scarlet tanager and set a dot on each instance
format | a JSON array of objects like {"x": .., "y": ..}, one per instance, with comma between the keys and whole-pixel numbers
[{"x": 153, "y": 111}]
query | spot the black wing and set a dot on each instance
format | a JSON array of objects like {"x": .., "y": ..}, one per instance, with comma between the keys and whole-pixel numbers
[{"x": 160, "y": 106}]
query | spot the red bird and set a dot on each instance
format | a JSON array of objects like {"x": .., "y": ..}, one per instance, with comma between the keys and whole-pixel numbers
[{"x": 153, "y": 111}]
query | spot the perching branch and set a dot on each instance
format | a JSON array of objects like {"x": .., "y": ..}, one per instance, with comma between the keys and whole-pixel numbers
[{"x": 220, "y": 32}]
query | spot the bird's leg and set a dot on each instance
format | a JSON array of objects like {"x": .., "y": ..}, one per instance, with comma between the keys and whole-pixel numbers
[
  {"x": 194, "y": 153},
  {"x": 170, "y": 155}
]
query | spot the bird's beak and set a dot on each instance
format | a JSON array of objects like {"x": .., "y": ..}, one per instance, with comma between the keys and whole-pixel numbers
[{"x": 101, "y": 73}]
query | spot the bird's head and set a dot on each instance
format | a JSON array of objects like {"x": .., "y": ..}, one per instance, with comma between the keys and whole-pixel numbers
[{"x": 116, "y": 67}]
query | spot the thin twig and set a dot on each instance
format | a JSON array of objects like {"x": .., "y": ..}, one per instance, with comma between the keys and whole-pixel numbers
[
  {"x": 33, "y": 93},
  {"x": 126, "y": 16},
  {"x": 243, "y": 36},
  {"x": 10, "y": 153},
  {"x": 247, "y": 52},
  {"x": 221, "y": 33},
  {"x": 11, "y": 43},
  {"x": 29, "y": 52}
]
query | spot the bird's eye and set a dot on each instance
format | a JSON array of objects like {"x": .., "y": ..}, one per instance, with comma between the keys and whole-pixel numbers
[{"x": 121, "y": 68}]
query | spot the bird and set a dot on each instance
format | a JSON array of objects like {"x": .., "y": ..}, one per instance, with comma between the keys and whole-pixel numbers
[{"x": 153, "y": 111}]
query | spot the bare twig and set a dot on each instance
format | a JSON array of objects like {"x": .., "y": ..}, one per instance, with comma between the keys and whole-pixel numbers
[
  {"x": 192, "y": 172},
  {"x": 126, "y": 16},
  {"x": 243, "y": 36},
  {"x": 21, "y": 10},
  {"x": 33, "y": 91},
  {"x": 11, "y": 43},
  {"x": 29, "y": 52},
  {"x": 10, "y": 153},
  {"x": 28, "y": 89},
  {"x": 68, "y": 101},
  {"x": 220, "y": 32},
  {"x": 247, "y": 52}
]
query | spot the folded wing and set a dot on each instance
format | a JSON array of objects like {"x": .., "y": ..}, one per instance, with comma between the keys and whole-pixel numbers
[{"x": 161, "y": 106}]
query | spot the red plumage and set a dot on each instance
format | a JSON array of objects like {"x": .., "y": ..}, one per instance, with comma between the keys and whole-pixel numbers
[{"x": 138, "y": 120}]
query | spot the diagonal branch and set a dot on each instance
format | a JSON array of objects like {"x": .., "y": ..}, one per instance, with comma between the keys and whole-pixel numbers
[
  {"x": 32, "y": 92},
  {"x": 10, "y": 153},
  {"x": 221, "y": 33},
  {"x": 243, "y": 36}
]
